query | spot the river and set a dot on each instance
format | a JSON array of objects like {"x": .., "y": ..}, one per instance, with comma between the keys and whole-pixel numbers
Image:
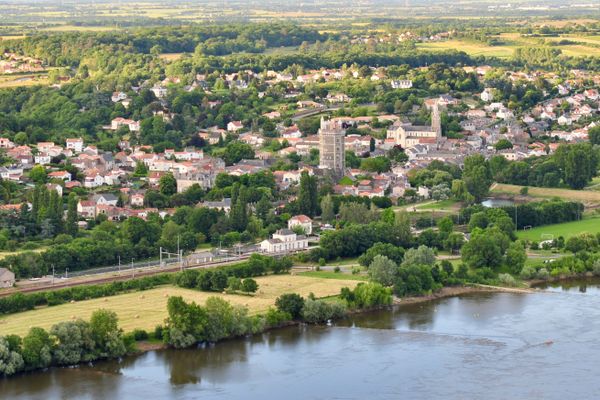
[{"x": 543, "y": 345}]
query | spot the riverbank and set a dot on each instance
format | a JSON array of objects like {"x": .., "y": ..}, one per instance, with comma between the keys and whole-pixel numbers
[
  {"x": 451, "y": 291},
  {"x": 446, "y": 292}
]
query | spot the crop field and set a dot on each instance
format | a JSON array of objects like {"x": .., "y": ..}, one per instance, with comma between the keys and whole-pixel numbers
[
  {"x": 566, "y": 230},
  {"x": 585, "y": 196},
  {"x": 146, "y": 309}
]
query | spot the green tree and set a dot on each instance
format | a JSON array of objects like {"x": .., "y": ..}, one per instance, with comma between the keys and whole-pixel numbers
[
  {"x": 308, "y": 195},
  {"x": 422, "y": 255},
  {"x": 327, "y": 209},
  {"x": 291, "y": 303},
  {"x": 516, "y": 257},
  {"x": 167, "y": 184},
  {"x": 482, "y": 251},
  {"x": 383, "y": 270},
  {"x": 140, "y": 170},
  {"x": 37, "y": 349},
  {"x": 71, "y": 227},
  {"x": 594, "y": 135},
  {"x": 454, "y": 242},
  {"x": 74, "y": 342},
  {"x": 503, "y": 144},
  {"x": 477, "y": 176},
  {"x": 38, "y": 174},
  {"x": 106, "y": 334},
  {"x": 249, "y": 285},
  {"x": 388, "y": 250},
  {"x": 11, "y": 361}
]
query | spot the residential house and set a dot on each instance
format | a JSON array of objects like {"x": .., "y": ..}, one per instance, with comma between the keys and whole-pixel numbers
[
  {"x": 302, "y": 221},
  {"x": 62, "y": 175},
  {"x": 235, "y": 126},
  {"x": 86, "y": 208},
  {"x": 75, "y": 145}
]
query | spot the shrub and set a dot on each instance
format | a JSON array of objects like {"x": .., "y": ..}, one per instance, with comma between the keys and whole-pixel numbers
[
  {"x": 158, "y": 332},
  {"x": 528, "y": 273},
  {"x": 317, "y": 311},
  {"x": 275, "y": 318},
  {"x": 542, "y": 274},
  {"x": 596, "y": 268},
  {"x": 140, "y": 334},
  {"x": 507, "y": 280},
  {"x": 336, "y": 269}
]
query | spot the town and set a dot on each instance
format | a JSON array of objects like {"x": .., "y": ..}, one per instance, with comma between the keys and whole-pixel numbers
[{"x": 243, "y": 182}]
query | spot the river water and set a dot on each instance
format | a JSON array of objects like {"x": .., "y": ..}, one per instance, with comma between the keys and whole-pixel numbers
[{"x": 543, "y": 345}]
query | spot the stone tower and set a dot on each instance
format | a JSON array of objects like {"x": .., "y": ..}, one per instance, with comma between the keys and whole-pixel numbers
[{"x": 332, "y": 154}]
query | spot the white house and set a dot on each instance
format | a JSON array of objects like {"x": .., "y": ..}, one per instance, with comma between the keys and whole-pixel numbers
[
  {"x": 42, "y": 158},
  {"x": 93, "y": 180},
  {"x": 302, "y": 221},
  {"x": 76, "y": 145},
  {"x": 235, "y": 126},
  {"x": 159, "y": 91},
  {"x": 402, "y": 84},
  {"x": 284, "y": 241},
  {"x": 564, "y": 120},
  {"x": 487, "y": 95}
]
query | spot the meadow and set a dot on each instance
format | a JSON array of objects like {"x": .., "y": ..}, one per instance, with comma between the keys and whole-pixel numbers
[
  {"x": 146, "y": 309},
  {"x": 585, "y": 196}
]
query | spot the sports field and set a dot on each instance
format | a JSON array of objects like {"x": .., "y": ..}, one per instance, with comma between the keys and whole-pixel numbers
[
  {"x": 146, "y": 309},
  {"x": 566, "y": 230}
]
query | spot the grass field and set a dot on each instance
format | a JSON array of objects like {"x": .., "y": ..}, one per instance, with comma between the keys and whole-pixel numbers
[
  {"x": 440, "y": 205},
  {"x": 334, "y": 275},
  {"x": 171, "y": 56},
  {"x": 566, "y": 230},
  {"x": 9, "y": 81},
  {"x": 471, "y": 48},
  {"x": 147, "y": 309},
  {"x": 585, "y": 196},
  {"x": 583, "y": 46}
]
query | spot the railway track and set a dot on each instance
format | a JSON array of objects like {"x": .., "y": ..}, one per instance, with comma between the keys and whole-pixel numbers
[{"x": 124, "y": 276}]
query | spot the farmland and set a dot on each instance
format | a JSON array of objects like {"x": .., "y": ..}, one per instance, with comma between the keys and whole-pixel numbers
[{"x": 145, "y": 310}]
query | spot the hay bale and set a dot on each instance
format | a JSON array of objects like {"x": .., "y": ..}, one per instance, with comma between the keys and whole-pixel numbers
[
  {"x": 73, "y": 317},
  {"x": 72, "y": 301},
  {"x": 136, "y": 316},
  {"x": 142, "y": 297}
]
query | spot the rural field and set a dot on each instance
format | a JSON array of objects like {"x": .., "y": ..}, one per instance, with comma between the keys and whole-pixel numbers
[
  {"x": 566, "y": 230},
  {"x": 578, "y": 46},
  {"x": 584, "y": 196},
  {"x": 146, "y": 309}
]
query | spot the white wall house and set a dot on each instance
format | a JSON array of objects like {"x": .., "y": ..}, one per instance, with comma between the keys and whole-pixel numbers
[
  {"x": 284, "y": 241},
  {"x": 302, "y": 221}
]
